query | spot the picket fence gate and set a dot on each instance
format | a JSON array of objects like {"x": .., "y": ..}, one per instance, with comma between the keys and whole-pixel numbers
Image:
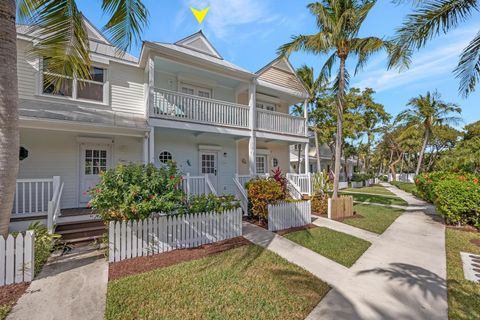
[
  {"x": 166, "y": 233},
  {"x": 288, "y": 215},
  {"x": 17, "y": 258}
]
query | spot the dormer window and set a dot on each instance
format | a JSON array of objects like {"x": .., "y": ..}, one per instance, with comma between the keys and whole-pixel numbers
[{"x": 92, "y": 89}]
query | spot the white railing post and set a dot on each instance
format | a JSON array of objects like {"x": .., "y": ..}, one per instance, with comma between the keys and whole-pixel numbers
[
  {"x": 206, "y": 184},
  {"x": 50, "y": 212},
  {"x": 56, "y": 183},
  {"x": 188, "y": 184}
]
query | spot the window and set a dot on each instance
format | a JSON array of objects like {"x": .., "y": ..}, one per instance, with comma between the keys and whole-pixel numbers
[
  {"x": 165, "y": 157},
  {"x": 275, "y": 162},
  {"x": 261, "y": 164},
  {"x": 267, "y": 106},
  {"x": 76, "y": 88},
  {"x": 209, "y": 164},
  {"x": 196, "y": 91},
  {"x": 95, "y": 161}
]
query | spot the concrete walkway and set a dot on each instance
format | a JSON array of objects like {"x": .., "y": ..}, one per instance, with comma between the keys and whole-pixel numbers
[
  {"x": 401, "y": 276},
  {"x": 345, "y": 228},
  {"x": 70, "y": 287}
]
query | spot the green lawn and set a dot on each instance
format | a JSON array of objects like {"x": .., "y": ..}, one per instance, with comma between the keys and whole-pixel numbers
[
  {"x": 337, "y": 246},
  {"x": 373, "y": 189},
  {"x": 377, "y": 199},
  {"x": 463, "y": 295},
  {"x": 375, "y": 218},
  {"x": 243, "y": 283},
  {"x": 408, "y": 187},
  {"x": 4, "y": 310}
]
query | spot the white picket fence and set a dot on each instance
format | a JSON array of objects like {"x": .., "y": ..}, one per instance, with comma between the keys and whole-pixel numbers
[
  {"x": 166, "y": 233},
  {"x": 288, "y": 215},
  {"x": 17, "y": 257}
]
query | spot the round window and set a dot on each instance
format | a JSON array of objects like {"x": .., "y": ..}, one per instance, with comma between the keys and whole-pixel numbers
[
  {"x": 275, "y": 162},
  {"x": 165, "y": 156}
]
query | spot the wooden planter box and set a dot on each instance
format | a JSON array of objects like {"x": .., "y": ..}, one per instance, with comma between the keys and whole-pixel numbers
[{"x": 340, "y": 208}]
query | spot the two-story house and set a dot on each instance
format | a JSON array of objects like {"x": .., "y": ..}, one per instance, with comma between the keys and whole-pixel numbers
[{"x": 180, "y": 101}]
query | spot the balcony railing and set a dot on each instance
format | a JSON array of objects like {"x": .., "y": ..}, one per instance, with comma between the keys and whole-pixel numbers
[
  {"x": 184, "y": 107},
  {"x": 280, "y": 123}
]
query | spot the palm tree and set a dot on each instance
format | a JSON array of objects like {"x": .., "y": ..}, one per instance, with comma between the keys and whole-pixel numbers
[
  {"x": 339, "y": 22},
  {"x": 426, "y": 113},
  {"x": 433, "y": 17},
  {"x": 61, "y": 36},
  {"x": 314, "y": 87},
  {"x": 297, "y": 110}
]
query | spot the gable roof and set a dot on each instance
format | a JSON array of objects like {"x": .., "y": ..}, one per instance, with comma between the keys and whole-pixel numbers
[
  {"x": 280, "y": 72},
  {"x": 198, "y": 42}
]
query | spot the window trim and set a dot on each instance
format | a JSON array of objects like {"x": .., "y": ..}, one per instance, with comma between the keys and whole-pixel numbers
[{"x": 75, "y": 80}]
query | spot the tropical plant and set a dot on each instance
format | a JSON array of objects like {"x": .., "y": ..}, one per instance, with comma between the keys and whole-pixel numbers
[
  {"x": 211, "y": 203},
  {"x": 425, "y": 113},
  {"x": 281, "y": 179},
  {"x": 45, "y": 243},
  {"x": 339, "y": 23},
  {"x": 61, "y": 36},
  {"x": 262, "y": 192},
  {"x": 433, "y": 17}
]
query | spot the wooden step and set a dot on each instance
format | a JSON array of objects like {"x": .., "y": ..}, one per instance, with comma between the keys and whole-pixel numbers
[
  {"x": 65, "y": 226},
  {"x": 82, "y": 232}
]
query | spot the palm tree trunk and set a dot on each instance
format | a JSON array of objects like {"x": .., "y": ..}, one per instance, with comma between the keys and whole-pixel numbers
[
  {"x": 339, "y": 135},
  {"x": 422, "y": 152},
  {"x": 9, "y": 138},
  {"x": 317, "y": 151},
  {"x": 299, "y": 163}
]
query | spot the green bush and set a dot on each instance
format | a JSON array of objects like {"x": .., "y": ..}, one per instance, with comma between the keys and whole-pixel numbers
[
  {"x": 320, "y": 204},
  {"x": 130, "y": 192},
  {"x": 262, "y": 192},
  {"x": 211, "y": 203},
  {"x": 44, "y": 244},
  {"x": 360, "y": 177},
  {"x": 458, "y": 200},
  {"x": 426, "y": 182}
]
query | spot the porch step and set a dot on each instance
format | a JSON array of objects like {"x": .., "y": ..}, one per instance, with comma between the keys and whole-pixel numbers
[{"x": 81, "y": 232}]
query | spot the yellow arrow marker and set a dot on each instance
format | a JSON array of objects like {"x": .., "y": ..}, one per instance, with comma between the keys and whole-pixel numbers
[{"x": 200, "y": 15}]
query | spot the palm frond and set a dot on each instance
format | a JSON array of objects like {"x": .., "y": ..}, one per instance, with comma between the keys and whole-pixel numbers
[
  {"x": 127, "y": 21},
  {"x": 468, "y": 69},
  {"x": 336, "y": 82},
  {"x": 317, "y": 43},
  {"x": 327, "y": 67}
]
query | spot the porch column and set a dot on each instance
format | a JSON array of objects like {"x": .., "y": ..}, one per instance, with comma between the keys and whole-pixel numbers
[
  {"x": 305, "y": 115},
  {"x": 145, "y": 147},
  {"x": 307, "y": 157},
  {"x": 252, "y": 145},
  {"x": 151, "y": 148}
]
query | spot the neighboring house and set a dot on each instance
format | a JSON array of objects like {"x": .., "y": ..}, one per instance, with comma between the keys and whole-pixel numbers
[
  {"x": 325, "y": 160},
  {"x": 181, "y": 102}
]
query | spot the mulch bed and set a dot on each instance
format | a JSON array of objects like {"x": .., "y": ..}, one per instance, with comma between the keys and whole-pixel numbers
[
  {"x": 475, "y": 242},
  {"x": 11, "y": 293},
  {"x": 129, "y": 267},
  {"x": 464, "y": 228},
  {"x": 287, "y": 231},
  {"x": 259, "y": 223}
]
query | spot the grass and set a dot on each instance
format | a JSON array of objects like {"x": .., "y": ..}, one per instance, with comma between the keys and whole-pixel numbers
[
  {"x": 4, "y": 310},
  {"x": 405, "y": 186},
  {"x": 376, "y": 189},
  {"x": 463, "y": 295},
  {"x": 243, "y": 283},
  {"x": 375, "y": 219},
  {"x": 378, "y": 199},
  {"x": 337, "y": 246}
]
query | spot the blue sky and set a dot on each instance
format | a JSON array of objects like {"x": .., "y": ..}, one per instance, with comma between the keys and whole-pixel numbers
[{"x": 248, "y": 33}]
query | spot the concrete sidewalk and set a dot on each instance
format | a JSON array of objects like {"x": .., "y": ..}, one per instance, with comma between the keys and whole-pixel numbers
[
  {"x": 401, "y": 276},
  {"x": 70, "y": 287}
]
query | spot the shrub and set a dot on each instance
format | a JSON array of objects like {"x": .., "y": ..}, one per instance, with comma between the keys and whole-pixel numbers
[
  {"x": 426, "y": 182},
  {"x": 458, "y": 200},
  {"x": 383, "y": 178},
  {"x": 321, "y": 183},
  {"x": 211, "y": 203},
  {"x": 320, "y": 204},
  {"x": 130, "y": 192},
  {"x": 261, "y": 193},
  {"x": 280, "y": 179},
  {"x": 44, "y": 244},
  {"x": 360, "y": 177}
]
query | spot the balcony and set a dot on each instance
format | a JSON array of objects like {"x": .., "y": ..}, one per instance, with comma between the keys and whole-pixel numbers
[
  {"x": 184, "y": 107},
  {"x": 278, "y": 122},
  {"x": 172, "y": 105}
]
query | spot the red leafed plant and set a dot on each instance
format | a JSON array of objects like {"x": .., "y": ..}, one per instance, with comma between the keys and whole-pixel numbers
[{"x": 280, "y": 178}]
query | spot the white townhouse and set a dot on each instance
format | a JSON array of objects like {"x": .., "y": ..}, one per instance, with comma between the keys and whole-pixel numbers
[{"x": 180, "y": 101}]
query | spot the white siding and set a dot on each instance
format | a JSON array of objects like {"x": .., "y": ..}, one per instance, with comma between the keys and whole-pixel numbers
[
  {"x": 184, "y": 147},
  {"x": 27, "y": 69},
  {"x": 127, "y": 88},
  {"x": 55, "y": 153},
  {"x": 279, "y": 151}
]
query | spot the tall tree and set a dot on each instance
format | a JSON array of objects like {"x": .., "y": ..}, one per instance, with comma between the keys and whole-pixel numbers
[
  {"x": 297, "y": 110},
  {"x": 314, "y": 87},
  {"x": 339, "y": 23},
  {"x": 61, "y": 37},
  {"x": 433, "y": 17},
  {"x": 427, "y": 112}
]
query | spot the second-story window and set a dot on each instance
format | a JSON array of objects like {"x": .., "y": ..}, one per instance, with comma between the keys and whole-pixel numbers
[
  {"x": 196, "y": 91},
  {"x": 266, "y": 106},
  {"x": 76, "y": 88}
]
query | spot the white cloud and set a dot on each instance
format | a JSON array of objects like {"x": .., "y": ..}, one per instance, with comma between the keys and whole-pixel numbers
[
  {"x": 225, "y": 17},
  {"x": 439, "y": 60}
]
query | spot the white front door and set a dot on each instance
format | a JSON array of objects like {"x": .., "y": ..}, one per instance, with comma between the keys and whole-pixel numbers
[
  {"x": 94, "y": 158},
  {"x": 209, "y": 166}
]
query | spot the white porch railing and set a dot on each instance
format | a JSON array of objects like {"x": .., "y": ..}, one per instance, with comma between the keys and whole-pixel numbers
[
  {"x": 280, "y": 122},
  {"x": 32, "y": 196},
  {"x": 302, "y": 182},
  {"x": 179, "y": 106},
  {"x": 197, "y": 185},
  {"x": 54, "y": 205},
  {"x": 241, "y": 192}
]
